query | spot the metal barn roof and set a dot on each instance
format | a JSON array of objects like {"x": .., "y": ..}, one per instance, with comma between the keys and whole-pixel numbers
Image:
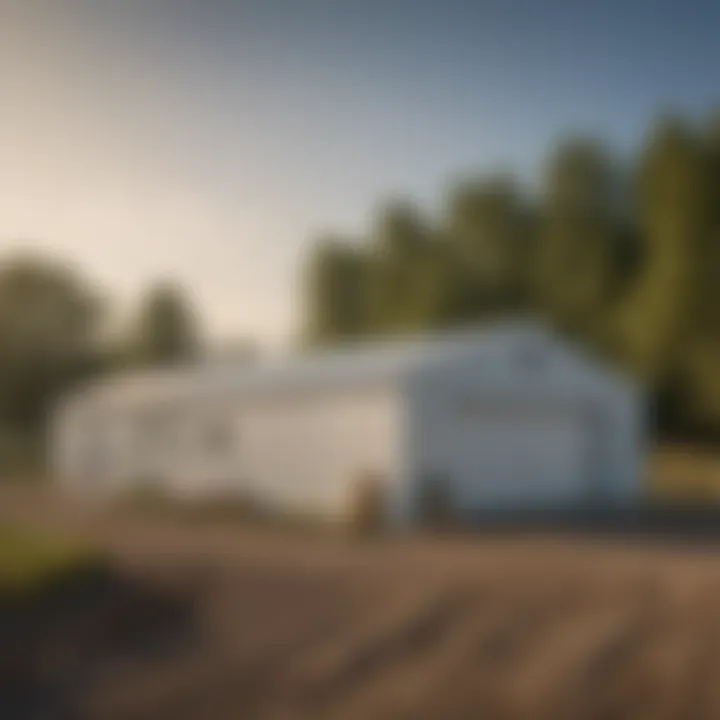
[{"x": 357, "y": 363}]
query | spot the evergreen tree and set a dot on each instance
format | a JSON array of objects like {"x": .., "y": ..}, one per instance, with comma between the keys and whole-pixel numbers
[{"x": 166, "y": 332}]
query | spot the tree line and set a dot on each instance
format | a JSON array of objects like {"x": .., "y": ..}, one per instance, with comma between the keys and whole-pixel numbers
[
  {"x": 54, "y": 335},
  {"x": 622, "y": 254}
]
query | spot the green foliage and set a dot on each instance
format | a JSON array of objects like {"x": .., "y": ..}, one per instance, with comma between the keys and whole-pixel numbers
[
  {"x": 672, "y": 210},
  {"x": 31, "y": 562},
  {"x": 624, "y": 257},
  {"x": 51, "y": 339},
  {"x": 490, "y": 230},
  {"x": 701, "y": 361},
  {"x": 335, "y": 288},
  {"x": 577, "y": 239},
  {"x": 48, "y": 337},
  {"x": 399, "y": 270},
  {"x": 167, "y": 329}
]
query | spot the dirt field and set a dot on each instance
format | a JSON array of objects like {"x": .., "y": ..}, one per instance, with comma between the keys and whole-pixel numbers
[{"x": 210, "y": 621}]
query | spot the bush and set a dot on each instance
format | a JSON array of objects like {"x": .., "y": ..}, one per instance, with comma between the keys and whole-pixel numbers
[{"x": 31, "y": 561}]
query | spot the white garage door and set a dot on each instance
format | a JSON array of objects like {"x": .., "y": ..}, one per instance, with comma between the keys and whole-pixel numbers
[{"x": 518, "y": 457}]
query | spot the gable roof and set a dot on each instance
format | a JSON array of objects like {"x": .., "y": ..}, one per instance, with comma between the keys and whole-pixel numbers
[{"x": 352, "y": 364}]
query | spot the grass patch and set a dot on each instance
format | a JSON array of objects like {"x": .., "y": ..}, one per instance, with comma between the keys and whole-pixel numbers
[{"x": 33, "y": 561}]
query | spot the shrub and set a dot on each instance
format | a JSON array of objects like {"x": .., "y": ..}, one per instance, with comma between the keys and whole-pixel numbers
[{"x": 32, "y": 561}]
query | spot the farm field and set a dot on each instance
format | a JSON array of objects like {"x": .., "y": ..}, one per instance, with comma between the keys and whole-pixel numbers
[{"x": 224, "y": 620}]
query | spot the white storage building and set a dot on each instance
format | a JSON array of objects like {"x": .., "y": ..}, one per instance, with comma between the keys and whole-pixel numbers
[{"x": 507, "y": 417}]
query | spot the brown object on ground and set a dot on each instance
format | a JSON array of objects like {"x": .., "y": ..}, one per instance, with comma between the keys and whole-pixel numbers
[
  {"x": 367, "y": 506},
  {"x": 230, "y": 621}
]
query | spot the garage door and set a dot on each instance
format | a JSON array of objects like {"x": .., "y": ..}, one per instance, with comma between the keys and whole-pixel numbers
[{"x": 515, "y": 457}]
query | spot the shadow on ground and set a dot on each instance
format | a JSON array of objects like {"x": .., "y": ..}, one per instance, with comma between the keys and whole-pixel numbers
[
  {"x": 52, "y": 644},
  {"x": 234, "y": 621},
  {"x": 678, "y": 523}
]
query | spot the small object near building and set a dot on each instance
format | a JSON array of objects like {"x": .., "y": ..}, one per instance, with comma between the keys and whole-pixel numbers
[{"x": 510, "y": 417}]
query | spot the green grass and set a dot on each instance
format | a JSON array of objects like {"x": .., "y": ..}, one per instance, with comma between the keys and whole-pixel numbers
[{"x": 32, "y": 561}]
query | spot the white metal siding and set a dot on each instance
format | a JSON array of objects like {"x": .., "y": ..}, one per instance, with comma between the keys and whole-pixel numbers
[
  {"x": 507, "y": 454},
  {"x": 505, "y": 433},
  {"x": 516, "y": 419},
  {"x": 302, "y": 452}
]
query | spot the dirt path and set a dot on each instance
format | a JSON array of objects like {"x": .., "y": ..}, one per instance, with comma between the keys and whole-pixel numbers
[{"x": 227, "y": 621}]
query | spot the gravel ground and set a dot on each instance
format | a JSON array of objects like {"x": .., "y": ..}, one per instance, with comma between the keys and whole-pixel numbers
[{"x": 227, "y": 620}]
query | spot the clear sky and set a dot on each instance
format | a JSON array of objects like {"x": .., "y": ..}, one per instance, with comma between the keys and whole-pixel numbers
[{"x": 210, "y": 140}]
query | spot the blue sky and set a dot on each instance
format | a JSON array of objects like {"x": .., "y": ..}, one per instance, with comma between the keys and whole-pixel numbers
[{"x": 211, "y": 140}]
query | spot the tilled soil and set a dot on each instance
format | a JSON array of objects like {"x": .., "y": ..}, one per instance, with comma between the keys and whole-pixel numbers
[{"x": 199, "y": 620}]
